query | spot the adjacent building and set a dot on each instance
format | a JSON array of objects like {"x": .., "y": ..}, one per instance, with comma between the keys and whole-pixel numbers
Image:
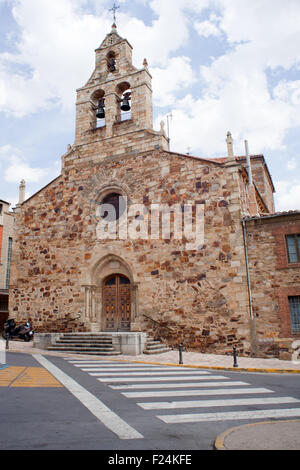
[
  {"x": 6, "y": 241},
  {"x": 273, "y": 247}
]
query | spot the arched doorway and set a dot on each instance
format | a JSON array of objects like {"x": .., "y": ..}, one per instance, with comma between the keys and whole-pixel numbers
[{"x": 116, "y": 303}]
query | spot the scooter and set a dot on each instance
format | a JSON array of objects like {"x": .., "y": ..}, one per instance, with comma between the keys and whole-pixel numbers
[{"x": 11, "y": 331}]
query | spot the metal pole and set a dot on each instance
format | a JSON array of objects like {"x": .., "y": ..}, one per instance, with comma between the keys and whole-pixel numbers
[
  {"x": 7, "y": 342},
  {"x": 169, "y": 116},
  {"x": 235, "y": 364},
  {"x": 180, "y": 354},
  {"x": 248, "y": 162},
  {"x": 247, "y": 268}
]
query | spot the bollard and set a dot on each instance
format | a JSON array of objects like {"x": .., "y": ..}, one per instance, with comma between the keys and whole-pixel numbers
[
  {"x": 180, "y": 353},
  {"x": 7, "y": 342},
  {"x": 235, "y": 364}
]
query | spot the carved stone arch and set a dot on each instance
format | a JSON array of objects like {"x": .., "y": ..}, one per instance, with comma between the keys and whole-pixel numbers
[
  {"x": 97, "y": 95},
  {"x": 108, "y": 266},
  {"x": 122, "y": 87},
  {"x": 115, "y": 195},
  {"x": 112, "y": 187},
  {"x": 94, "y": 193}
]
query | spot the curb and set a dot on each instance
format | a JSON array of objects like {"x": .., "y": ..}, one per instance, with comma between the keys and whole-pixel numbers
[
  {"x": 219, "y": 443},
  {"x": 230, "y": 369},
  {"x": 233, "y": 369}
]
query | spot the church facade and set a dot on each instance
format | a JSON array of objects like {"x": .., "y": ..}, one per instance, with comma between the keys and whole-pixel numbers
[{"x": 132, "y": 237}]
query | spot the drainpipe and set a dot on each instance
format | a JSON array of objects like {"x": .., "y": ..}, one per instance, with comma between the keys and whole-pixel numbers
[
  {"x": 248, "y": 163},
  {"x": 253, "y": 338}
]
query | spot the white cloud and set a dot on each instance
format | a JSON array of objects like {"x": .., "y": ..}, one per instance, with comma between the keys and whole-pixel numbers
[
  {"x": 19, "y": 169},
  {"x": 16, "y": 167},
  {"x": 57, "y": 51},
  {"x": 236, "y": 93},
  {"x": 168, "y": 32},
  {"x": 206, "y": 29},
  {"x": 287, "y": 196},
  {"x": 288, "y": 91},
  {"x": 292, "y": 164},
  {"x": 177, "y": 75}
]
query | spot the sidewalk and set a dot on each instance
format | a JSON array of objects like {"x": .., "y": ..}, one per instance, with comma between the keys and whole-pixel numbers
[
  {"x": 193, "y": 359},
  {"x": 275, "y": 435}
]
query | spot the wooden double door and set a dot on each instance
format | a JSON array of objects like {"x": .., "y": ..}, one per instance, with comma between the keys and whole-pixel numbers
[{"x": 116, "y": 303}]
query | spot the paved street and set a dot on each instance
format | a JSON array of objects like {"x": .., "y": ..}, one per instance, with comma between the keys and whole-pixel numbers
[{"x": 56, "y": 402}]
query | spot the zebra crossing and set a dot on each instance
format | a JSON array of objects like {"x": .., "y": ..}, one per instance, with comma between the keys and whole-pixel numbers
[{"x": 207, "y": 396}]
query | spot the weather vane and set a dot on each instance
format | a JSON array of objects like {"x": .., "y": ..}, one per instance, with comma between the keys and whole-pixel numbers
[{"x": 114, "y": 10}]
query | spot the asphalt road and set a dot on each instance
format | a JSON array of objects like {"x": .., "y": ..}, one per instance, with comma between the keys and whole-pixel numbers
[{"x": 50, "y": 403}]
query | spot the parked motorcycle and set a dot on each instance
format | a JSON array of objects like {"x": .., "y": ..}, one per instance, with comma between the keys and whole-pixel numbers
[{"x": 11, "y": 331}]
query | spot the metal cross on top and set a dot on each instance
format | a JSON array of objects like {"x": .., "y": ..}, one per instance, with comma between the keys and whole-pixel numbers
[{"x": 114, "y": 9}]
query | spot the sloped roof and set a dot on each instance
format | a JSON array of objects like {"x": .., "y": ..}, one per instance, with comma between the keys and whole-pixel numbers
[
  {"x": 242, "y": 159},
  {"x": 274, "y": 215}
]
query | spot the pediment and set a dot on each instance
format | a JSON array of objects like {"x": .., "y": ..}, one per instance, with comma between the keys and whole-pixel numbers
[{"x": 111, "y": 39}]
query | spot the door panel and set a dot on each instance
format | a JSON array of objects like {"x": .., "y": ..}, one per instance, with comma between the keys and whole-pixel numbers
[{"x": 117, "y": 303}]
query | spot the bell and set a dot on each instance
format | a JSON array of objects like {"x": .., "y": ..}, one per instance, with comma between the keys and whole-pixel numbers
[
  {"x": 100, "y": 113},
  {"x": 125, "y": 105}
]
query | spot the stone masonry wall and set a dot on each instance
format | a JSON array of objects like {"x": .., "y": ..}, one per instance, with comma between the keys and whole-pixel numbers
[{"x": 198, "y": 297}]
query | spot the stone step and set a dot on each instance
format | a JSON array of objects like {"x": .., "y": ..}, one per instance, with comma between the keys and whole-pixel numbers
[
  {"x": 153, "y": 343},
  {"x": 83, "y": 346},
  {"x": 97, "y": 344},
  {"x": 89, "y": 351},
  {"x": 154, "y": 346},
  {"x": 83, "y": 341},
  {"x": 95, "y": 336},
  {"x": 157, "y": 351}
]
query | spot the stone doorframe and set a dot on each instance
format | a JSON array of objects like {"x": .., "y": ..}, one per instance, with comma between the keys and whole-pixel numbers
[{"x": 106, "y": 266}]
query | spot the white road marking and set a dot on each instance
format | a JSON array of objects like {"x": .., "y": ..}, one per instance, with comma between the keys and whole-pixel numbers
[
  {"x": 94, "y": 361},
  {"x": 127, "y": 369},
  {"x": 172, "y": 385},
  {"x": 107, "y": 417},
  {"x": 183, "y": 393},
  {"x": 236, "y": 415},
  {"x": 142, "y": 379},
  {"x": 124, "y": 365},
  {"x": 201, "y": 384},
  {"x": 120, "y": 374},
  {"x": 213, "y": 403}
]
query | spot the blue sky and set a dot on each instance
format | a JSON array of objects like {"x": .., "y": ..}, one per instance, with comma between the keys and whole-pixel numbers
[{"x": 217, "y": 65}]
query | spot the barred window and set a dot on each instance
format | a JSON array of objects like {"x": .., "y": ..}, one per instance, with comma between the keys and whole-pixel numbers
[
  {"x": 293, "y": 248},
  {"x": 294, "y": 303}
]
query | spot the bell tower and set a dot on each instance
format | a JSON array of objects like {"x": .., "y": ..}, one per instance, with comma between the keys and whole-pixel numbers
[{"x": 117, "y": 99}]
